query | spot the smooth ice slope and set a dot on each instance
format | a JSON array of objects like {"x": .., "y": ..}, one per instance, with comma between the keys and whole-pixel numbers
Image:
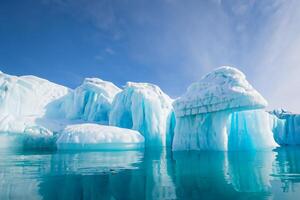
[
  {"x": 213, "y": 115},
  {"x": 100, "y": 137},
  {"x": 29, "y": 95},
  {"x": 288, "y": 127},
  {"x": 23, "y": 101},
  {"x": 225, "y": 88},
  {"x": 144, "y": 107},
  {"x": 91, "y": 101}
]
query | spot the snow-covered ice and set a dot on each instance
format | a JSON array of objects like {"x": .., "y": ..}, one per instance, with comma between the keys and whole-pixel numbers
[
  {"x": 144, "y": 107},
  {"x": 23, "y": 100},
  {"x": 222, "y": 111},
  {"x": 99, "y": 137},
  {"x": 225, "y": 88},
  {"x": 33, "y": 110},
  {"x": 29, "y": 96}
]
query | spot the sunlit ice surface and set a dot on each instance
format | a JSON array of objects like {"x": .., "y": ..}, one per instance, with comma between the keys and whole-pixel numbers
[{"x": 150, "y": 174}]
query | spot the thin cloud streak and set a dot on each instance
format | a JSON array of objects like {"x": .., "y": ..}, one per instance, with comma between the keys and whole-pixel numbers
[{"x": 177, "y": 42}]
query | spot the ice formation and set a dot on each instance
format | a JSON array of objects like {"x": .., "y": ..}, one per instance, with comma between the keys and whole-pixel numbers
[
  {"x": 28, "y": 95},
  {"x": 91, "y": 101},
  {"x": 32, "y": 109},
  {"x": 222, "y": 112},
  {"x": 23, "y": 100},
  {"x": 144, "y": 107},
  {"x": 99, "y": 137},
  {"x": 287, "y": 127}
]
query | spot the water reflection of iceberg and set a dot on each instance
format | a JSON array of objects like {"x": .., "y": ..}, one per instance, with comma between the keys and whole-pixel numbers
[
  {"x": 225, "y": 174},
  {"x": 149, "y": 179},
  {"x": 250, "y": 171},
  {"x": 19, "y": 174},
  {"x": 68, "y": 175},
  {"x": 287, "y": 167},
  {"x": 200, "y": 173},
  {"x": 85, "y": 163},
  {"x": 159, "y": 174}
]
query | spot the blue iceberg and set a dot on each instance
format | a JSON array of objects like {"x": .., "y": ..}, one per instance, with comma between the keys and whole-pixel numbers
[
  {"x": 145, "y": 108},
  {"x": 34, "y": 111},
  {"x": 91, "y": 101},
  {"x": 222, "y": 111},
  {"x": 287, "y": 126}
]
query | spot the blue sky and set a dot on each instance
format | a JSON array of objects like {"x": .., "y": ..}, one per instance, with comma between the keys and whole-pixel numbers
[{"x": 171, "y": 43}]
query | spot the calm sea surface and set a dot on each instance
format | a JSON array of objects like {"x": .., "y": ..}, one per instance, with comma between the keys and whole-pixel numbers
[{"x": 273, "y": 174}]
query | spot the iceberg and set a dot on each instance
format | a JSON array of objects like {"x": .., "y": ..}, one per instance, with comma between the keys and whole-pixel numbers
[
  {"x": 91, "y": 101},
  {"x": 286, "y": 127},
  {"x": 145, "y": 108},
  {"x": 34, "y": 110},
  {"x": 224, "y": 112},
  {"x": 24, "y": 100},
  {"x": 29, "y": 96},
  {"x": 98, "y": 137}
]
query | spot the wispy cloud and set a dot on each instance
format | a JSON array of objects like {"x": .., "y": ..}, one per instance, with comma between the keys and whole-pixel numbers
[{"x": 182, "y": 40}]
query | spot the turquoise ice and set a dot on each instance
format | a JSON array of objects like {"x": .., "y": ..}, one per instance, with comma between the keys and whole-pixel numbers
[
  {"x": 222, "y": 111},
  {"x": 146, "y": 108},
  {"x": 287, "y": 126}
]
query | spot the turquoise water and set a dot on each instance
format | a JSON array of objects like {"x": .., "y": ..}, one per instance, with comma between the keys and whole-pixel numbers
[{"x": 273, "y": 174}]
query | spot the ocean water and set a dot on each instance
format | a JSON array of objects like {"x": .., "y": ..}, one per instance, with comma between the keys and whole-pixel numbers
[{"x": 153, "y": 174}]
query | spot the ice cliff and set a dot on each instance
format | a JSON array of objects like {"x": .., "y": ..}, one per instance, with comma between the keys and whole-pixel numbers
[
  {"x": 144, "y": 107},
  {"x": 91, "y": 101},
  {"x": 287, "y": 125},
  {"x": 222, "y": 111}
]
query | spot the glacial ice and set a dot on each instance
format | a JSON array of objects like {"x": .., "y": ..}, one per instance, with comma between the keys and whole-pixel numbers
[
  {"x": 225, "y": 88},
  {"x": 222, "y": 112},
  {"x": 98, "y": 137},
  {"x": 33, "y": 110},
  {"x": 286, "y": 127},
  {"x": 144, "y": 107},
  {"x": 24, "y": 100},
  {"x": 28, "y": 95},
  {"x": 91, "y": 101}
]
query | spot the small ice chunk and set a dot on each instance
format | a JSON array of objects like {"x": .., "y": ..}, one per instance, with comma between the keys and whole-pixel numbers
[{"x": 99, "y": 137}]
